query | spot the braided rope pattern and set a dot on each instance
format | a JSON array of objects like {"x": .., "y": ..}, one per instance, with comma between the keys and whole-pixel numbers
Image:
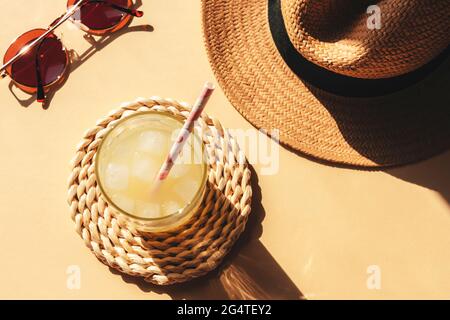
[{"x": 176, "y": 256}]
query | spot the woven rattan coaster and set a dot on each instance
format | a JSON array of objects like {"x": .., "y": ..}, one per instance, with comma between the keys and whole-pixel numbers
[{"x": 176, "y": 256}]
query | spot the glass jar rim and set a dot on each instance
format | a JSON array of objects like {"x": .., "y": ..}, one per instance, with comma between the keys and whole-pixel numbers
[{"x": 179, "y": 212}]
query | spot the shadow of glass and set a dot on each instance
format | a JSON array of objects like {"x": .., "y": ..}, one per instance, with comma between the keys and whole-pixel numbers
[
  {"x": 76, "y": 60},
  {"x": 248, "y": 272},
  {"x": 253, "y": 274}
]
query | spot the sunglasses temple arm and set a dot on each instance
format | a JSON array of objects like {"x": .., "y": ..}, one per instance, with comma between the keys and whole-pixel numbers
[
  {"x": 40, "y": 94},
  {"x": 64, "y": 18},
  {"x": 133, "y": 12}
]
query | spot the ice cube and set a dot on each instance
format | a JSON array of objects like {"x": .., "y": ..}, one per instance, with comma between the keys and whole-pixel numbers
[
  {"x": 144, "y": 168},
  {"x": 186, "y": 189},
  {"x": 153, "y": 142},
  {"x": 124, "y": 203},
  {"x": 116, "y": 176},
  {"x": 148, "y": 210},
  {"x": 122, "y": 152},
  {"x": 170, "y": 207}
]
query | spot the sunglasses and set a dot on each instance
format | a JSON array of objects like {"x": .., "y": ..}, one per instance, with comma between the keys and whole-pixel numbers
[{"x": 37, "y": 60}]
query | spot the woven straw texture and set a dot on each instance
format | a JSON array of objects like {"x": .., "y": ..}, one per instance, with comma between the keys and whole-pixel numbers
[
  {"x": 395, "y": 129},
  {"x": 179, "y": 255},
  {"x": 334, "y": 34}
]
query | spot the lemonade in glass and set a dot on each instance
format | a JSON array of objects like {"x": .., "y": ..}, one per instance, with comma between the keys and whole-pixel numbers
[{"x": 128, "y": 160}]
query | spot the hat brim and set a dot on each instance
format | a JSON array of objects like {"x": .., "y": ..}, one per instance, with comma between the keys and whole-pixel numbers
[{"x": 399, "y": 128}]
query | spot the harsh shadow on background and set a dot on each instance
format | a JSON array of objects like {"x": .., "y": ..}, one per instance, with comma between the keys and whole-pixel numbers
[
  {"x": 248, "y": 272},
  {"x": 433, "y": 174}
]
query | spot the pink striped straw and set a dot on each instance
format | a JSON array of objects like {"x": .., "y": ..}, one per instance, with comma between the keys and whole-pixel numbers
[{"x": 183, "y": 136}]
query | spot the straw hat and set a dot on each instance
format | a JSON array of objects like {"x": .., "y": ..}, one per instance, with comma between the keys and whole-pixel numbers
[{"x": 343, "y": 81}]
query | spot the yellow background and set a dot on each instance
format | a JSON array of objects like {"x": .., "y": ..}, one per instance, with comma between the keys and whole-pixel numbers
[{"x": 314, "y": 230}]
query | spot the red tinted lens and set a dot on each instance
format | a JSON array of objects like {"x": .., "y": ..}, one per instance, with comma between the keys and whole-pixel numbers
[
  {"x": 100, "y": 15},
  {"x": 49, "y": 55}
]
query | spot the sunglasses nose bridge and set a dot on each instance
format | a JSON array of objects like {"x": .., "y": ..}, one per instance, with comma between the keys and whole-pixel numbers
[{"x": 54, "y": 23}]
